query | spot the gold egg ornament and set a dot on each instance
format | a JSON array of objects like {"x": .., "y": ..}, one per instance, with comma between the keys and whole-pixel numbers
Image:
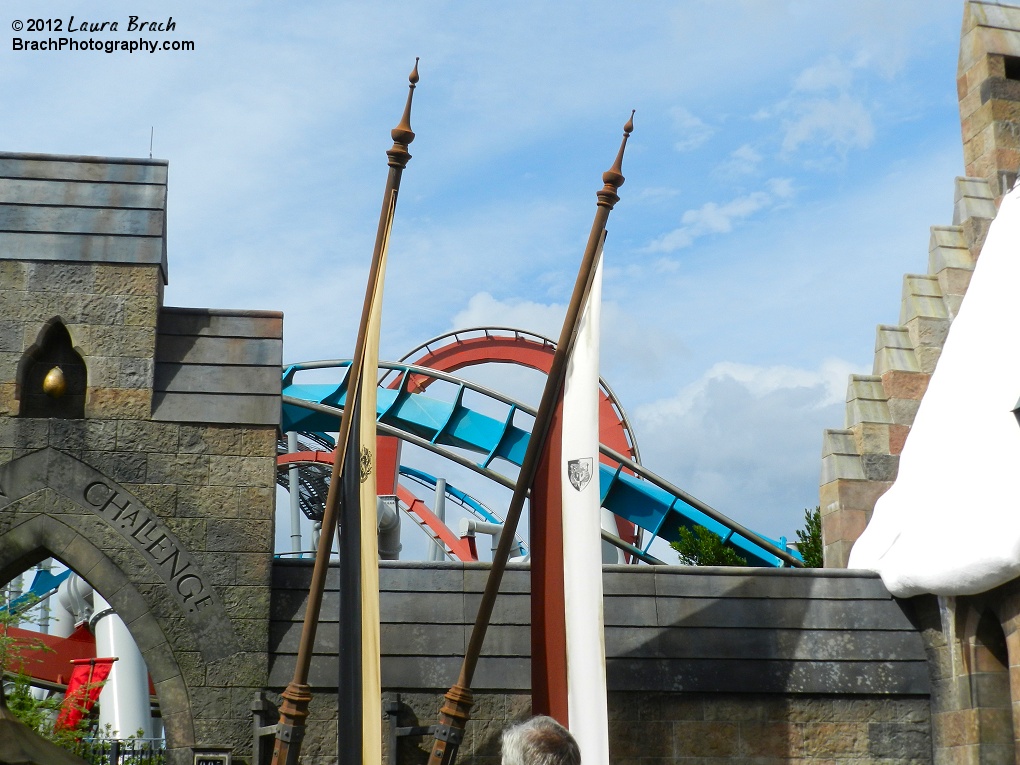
[{"x": 54, "y": 384}]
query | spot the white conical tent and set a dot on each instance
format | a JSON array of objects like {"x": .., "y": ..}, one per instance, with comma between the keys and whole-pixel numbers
[{"x": 950, "y": 524}]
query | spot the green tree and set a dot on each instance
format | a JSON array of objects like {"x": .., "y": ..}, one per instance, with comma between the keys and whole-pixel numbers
[
  {"x": 15, "y": 653},
  {"x": 700, "y": 547},
  {"x": 809, "y": 539}
]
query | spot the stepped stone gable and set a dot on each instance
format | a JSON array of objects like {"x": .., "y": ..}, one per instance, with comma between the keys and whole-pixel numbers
[
  {"x": 972, "y": 642},
  {"x": 160, "y": 490},
  {"x": 861, "y": 460}
]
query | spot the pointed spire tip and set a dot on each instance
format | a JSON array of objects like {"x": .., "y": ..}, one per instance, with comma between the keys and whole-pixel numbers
[
  {"x": 402, "y": 134},
  {"x": 613, "y": 177}
]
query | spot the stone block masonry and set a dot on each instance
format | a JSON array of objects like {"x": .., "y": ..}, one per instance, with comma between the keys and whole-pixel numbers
[
  {"x": 118, "y": 355},
  {"x": 704, "y": 665},
  {"x": 160, "y": 492},
  {"x": 988, "y": 85}
]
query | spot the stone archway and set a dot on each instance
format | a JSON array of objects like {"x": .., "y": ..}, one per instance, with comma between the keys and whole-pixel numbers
[
  {"x": 46, "y": 536},
  {"x": 53, "y": 505}
]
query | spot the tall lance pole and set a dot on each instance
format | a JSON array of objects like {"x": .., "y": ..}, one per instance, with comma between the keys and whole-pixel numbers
[
  {"x": 294, "y": 709},
  {"x": 456, "y": 710}
]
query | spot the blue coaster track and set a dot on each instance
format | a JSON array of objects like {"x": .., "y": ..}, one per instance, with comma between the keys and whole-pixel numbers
[{"x": 450, "y": 428}]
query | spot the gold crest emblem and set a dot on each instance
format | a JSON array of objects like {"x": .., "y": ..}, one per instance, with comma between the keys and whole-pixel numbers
[{"x": 366, "y": 463}]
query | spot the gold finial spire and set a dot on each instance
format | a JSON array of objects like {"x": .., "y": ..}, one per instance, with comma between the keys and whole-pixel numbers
[
  {"x": 613, "y": 177},
  {"x": 402, "y": 134}
]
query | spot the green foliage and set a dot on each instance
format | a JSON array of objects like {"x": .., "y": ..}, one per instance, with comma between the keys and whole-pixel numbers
[
  {"x": 809, "y": 539},
  {"x": 14, "y": 651},
  {"x": 700, "y": 547},
  {"x": 15, "y": 654},
  {"x": 40, "y": 714}
]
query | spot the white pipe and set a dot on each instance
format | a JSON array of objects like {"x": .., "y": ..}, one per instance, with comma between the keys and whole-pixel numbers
[
  {"x": 389, "y": 528},
  {"x": 470, "y": 527},
  {"x": 16, "y": 589},
  {"x": 610, "y": 552},
  {"x": 45, "y": 622},
  {"x": 74, "y": 595},
  {"x": 124, "y": 701},
  {"x": 295, "y": 496},
  {"x": 62, "y": 619},
  {"x": 437, "y": 551}
]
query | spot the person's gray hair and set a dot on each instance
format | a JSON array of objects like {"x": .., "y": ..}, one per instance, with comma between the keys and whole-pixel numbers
[{"x": 539, "y": 741}]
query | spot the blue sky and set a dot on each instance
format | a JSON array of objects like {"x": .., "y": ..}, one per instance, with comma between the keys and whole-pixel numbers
[{"x": 787, "y": 161}]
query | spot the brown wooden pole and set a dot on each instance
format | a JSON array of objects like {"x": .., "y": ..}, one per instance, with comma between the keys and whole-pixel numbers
[
  {"x": 294, "y": 709},
  {"x": 456, "y": 711}
]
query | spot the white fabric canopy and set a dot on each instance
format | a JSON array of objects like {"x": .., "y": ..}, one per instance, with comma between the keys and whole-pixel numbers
[{"x": 950, "y": 524}]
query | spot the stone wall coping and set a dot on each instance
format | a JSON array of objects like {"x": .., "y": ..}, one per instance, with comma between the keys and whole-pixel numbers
[
  {"x": 82, "y": 158},
  {"x": 730, "y": 571},
  {"x": 243, "y": 313}
]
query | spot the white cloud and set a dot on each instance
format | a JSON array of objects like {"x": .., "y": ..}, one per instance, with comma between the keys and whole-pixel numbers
[
  {"x": 744, "y": 160},
  {"x": 623, "y": 356},
  {"x": 827, "y": 74},
  {"x": 828, "y": 382},
  {"x": 672, "y": 241},
  {"x": 692, "y": 131},
  {"x": 483, "y": 310},
  {"x": 746, "y": 439},
  {"x": 715, "y": 218},
  {"x": 657, "y": 193},
  {"x": 712, "y": 218},
  {"x": 825, "y": 110},
  {"x": 840, "y": 123},
  {"x": 782, "y": 188}
]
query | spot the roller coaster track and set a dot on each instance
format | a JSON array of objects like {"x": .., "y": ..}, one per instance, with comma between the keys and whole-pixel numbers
[
  {"x": 504, "y": 345},
  {"x": 474, "y": 346},
  {"x": 452, "y": 429}
]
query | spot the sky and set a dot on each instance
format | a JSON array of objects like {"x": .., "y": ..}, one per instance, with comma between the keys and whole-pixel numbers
[{"x": 787, "y": 160}]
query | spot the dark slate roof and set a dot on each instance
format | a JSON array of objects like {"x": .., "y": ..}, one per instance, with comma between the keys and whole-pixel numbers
[
  {"x": 91, "y": 209},
  {"x": 668, "y": 628},
  {"x": 217, "y": 366}
]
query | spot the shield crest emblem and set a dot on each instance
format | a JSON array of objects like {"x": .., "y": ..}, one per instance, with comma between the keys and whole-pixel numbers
[
  {"x": 579, "y": 472},
  {"x": 366, "y": 463}
]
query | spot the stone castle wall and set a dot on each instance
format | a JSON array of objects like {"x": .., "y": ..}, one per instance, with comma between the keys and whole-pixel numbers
[
  {"x": 164, "y": 508},
  {"x": 703, "y": 665}
]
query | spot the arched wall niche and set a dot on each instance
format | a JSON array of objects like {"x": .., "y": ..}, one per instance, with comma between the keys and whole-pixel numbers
[
  {"x": 984, "y": 687},
  {"x": 1009, "y": 617},
  {"x": 47, "y": 536},
  {"x": 53, "y": 349}
]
